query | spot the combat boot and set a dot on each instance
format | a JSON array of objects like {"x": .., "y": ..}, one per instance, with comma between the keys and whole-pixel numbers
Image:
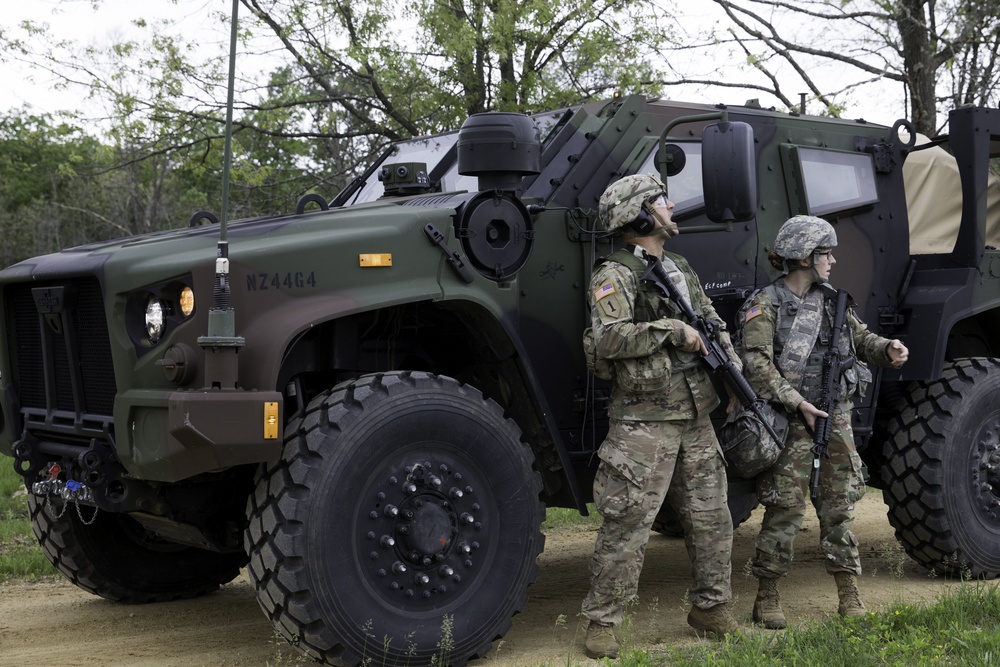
[
  {"x": 600, "y": 641},
  {"x": 717, "y": 620},
  {"x": 767, "y": 606},
  {"x": 850, "y": 597}
]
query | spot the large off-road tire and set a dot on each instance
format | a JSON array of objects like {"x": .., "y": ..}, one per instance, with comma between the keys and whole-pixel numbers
[
  {"x": 401, "y": 524},
  {"x": 742, "y": 501},
  {"x": 943, "y": 471},
  {"x": 116, "y": 558}
]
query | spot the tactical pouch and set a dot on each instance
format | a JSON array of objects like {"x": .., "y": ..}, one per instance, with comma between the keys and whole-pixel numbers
[
  {"x": 644, "y": 375},
  {"x": 748, "y": 447}
]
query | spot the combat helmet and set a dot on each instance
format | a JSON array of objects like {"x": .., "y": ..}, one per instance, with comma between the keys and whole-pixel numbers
[
  {"x": 802, "y": 234},
  {"x": 622, "y": 201}
]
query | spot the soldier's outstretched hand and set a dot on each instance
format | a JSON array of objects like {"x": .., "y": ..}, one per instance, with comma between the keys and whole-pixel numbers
[{"x": 898, "y": 353}]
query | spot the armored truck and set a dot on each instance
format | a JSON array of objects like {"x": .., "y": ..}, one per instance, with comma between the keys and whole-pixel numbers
[{"x": 370, "y": 402}]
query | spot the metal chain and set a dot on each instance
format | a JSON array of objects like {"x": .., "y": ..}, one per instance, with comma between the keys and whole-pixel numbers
[{"x": 93, "y": 517}]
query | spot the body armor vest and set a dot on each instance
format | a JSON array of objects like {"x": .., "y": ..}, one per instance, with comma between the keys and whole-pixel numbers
[{"x": 809, "y": 380}]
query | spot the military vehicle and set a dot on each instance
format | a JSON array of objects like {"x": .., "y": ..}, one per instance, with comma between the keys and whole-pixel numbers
[{"x": 395, "y": 389}]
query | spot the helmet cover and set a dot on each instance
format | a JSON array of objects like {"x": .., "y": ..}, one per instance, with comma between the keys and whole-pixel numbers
[
  {"x": 800, "y": 235},
  {"x": 622, "y": 200}
]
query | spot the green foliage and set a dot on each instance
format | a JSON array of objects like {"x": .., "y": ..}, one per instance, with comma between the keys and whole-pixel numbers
[
  {"x": 20, "y": 555},
  {"x": 342, "y": 80},
  {"x": 562, "y": 518},
  {"x": 960, "y": 628}
]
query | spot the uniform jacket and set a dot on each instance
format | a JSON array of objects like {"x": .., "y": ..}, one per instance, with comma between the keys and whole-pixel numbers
[{"x": 637, "y": 329}]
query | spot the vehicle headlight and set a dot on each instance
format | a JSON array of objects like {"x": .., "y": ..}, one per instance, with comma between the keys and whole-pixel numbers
[{"x": 154, "y": 319}]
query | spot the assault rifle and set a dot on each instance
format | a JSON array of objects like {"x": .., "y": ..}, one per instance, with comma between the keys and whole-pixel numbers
[
  {"x": 834, "y": 364},
  {"x": 716, "y": 359}
]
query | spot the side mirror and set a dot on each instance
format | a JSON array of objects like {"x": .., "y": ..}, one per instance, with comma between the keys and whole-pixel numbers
[{"x": 729, "y": 172}]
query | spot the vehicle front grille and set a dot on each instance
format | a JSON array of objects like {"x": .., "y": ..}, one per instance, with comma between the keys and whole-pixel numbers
[{"x": 61, "y": 361}]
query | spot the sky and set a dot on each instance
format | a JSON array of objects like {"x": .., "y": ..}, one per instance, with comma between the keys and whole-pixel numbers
[{"x": 112, "y": 21}]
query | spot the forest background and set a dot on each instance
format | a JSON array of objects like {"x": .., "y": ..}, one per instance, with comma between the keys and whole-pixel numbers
[{"x": 323, "y": 86}]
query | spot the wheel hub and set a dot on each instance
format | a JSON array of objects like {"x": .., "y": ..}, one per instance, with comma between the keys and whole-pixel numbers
[
  {"x": 426, "y": 530},
  {"x": 422, "y": 534},
  {"x": 986, "y": 473}
]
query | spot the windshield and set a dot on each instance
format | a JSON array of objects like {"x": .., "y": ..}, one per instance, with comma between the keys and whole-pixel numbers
[{"x": 436, "y": 150}]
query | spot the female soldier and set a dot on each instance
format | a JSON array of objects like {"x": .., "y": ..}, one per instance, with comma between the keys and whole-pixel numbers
[{"x": 787, "y": 328}]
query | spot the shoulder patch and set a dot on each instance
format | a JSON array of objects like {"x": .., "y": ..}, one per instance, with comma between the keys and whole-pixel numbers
[
  {"x": 607, "y": 289},
  {"x": 752, "y": 313}
]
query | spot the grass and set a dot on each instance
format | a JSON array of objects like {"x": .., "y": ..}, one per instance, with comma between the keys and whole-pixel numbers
[
  {"x": 563, "y": 518},
  {"x": 961, "y": 627},
  {"x": 20, "y": 555}
]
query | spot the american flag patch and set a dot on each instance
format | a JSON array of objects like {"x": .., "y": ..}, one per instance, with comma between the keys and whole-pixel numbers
[
  {"x": 607, "y": 289},
  {"x": 752, "y": 313}
]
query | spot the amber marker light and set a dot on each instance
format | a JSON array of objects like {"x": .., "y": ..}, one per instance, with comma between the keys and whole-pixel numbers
[
  {"x": 186, "y": 301},
  {"x": 270, "y": 420},
  {"x": 368, "y": 260}
]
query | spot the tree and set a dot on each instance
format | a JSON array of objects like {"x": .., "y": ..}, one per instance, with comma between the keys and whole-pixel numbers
[
  {"x": 339, "y": 84},
  {"x": 943, "y": 53},
  {"x": 459, "y": 57}
]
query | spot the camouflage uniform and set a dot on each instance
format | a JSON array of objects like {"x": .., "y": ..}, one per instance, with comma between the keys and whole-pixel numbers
[
  {"x": 771, "y": 341},
  {"x": 660, "y": 442}
]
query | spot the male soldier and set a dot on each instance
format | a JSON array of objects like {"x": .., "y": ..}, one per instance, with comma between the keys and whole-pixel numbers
[
  {"x": 787, "y": 328},
  {"x": 660, "y": 438}
]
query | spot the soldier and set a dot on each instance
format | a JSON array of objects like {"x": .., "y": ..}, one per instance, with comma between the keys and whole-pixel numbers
[
  {"x": 660, "y": 438},
  {"x": 786, "y": 329}
]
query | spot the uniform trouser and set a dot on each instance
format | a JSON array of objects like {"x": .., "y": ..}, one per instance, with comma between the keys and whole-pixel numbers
[
  {"x": 641, "y": 464},
  {"x": 784, "y": 488}
]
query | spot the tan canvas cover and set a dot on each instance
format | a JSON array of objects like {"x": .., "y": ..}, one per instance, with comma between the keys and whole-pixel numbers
[{"x": 934, "y": 201}]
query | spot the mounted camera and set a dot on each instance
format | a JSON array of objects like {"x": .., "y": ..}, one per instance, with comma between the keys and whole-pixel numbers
[{"x": 404, "y": 178}]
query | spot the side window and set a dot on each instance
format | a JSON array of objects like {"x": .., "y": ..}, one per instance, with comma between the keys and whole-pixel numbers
[
  {"x": 828, "y": 181},
  {"x": 684, "y": 189}
]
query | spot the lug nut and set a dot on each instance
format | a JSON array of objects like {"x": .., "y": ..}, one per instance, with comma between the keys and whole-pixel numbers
[
  {"x": 387, "y": 542},
  {"x": 398, "y": 568}
]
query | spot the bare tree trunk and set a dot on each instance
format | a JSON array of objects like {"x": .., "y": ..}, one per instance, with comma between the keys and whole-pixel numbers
[{"x": 918, "y": 63}]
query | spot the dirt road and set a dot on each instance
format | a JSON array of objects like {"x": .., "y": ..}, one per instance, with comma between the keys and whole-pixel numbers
[{"x": 58, "y": 624}]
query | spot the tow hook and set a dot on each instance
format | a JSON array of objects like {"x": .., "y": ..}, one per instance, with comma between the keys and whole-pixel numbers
[{"x": 70, "y": 491}]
